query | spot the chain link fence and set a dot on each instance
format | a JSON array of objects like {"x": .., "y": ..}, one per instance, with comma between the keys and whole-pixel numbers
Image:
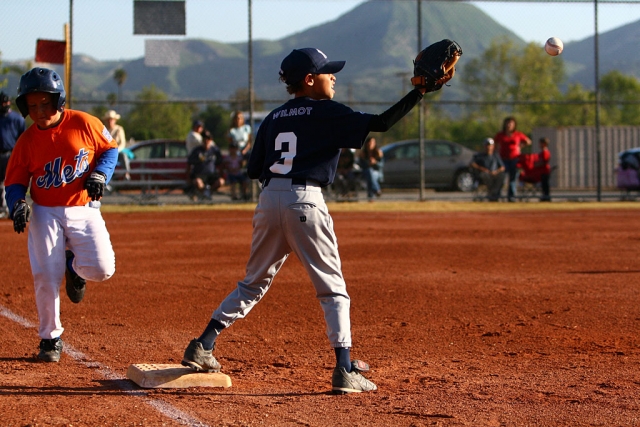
[{"x": 504, "y": 70}]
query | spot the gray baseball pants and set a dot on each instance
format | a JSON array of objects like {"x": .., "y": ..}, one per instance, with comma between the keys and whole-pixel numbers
[{"x": 293, "y": 218}]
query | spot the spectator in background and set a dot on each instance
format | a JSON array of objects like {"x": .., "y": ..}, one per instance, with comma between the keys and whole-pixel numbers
[
  {"x": 345, "y": 182},
  {"x": 510, "y": 141},
  {"x": 542, "y": 168},
  {"x": 117, "y": 133},
  {"x": 371, "y": 163},
  {"x": 194, "y": 137},
  {"x": 240, "y": 133},
  {"x": 234, "y": 165},
  {"x": 490, "y": 169},
  {"x": 11, "y": 127},
  {"x": 204, "y": 168}
]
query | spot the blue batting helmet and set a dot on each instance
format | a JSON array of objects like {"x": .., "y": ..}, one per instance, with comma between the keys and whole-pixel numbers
[{"x": 40, "y": 80}]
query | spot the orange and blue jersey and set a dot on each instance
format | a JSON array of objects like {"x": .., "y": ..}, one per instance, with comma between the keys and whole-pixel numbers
[{"x": 54, "y": 163}]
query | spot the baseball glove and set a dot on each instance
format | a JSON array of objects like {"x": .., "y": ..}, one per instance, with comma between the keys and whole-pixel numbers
[
  {"x": 95, "y": 185},
  {"x": 435, "y": 65},
  {"x": 20, "y": 215}
]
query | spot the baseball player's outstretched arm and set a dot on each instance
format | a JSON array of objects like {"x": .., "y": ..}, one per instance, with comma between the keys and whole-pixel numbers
[{"x": 383, "y": 122}]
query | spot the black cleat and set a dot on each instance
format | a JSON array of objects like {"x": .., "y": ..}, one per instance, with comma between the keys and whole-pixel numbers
[
  {"x": 50, "y": 350},
  {"x": 76, "y": 285}
]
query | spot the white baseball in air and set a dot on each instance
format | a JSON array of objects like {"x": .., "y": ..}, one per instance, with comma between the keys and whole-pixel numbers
[{"x": 554, "y": 46}]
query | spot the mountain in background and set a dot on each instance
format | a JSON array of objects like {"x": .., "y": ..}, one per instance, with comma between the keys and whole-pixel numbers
[
  {"x": 377, "y": 39},
  {"x": 614, "y": 48}
]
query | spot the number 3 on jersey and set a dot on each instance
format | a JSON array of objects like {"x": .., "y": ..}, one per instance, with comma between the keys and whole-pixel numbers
[{"x": 284, "y": 165}]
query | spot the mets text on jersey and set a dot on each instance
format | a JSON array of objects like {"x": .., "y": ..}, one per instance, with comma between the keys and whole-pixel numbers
[{"x": 56, "y": 175}]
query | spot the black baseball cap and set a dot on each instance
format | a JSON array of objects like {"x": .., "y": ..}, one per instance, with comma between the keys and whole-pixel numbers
[
  {"x": 4, "y": 97},
  {"x": 308, "y": 60}
]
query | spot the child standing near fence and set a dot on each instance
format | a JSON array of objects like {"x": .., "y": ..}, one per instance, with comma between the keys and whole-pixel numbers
[
  {"x": 234, "y": 167},
  {"x": 542, "y": 164}
]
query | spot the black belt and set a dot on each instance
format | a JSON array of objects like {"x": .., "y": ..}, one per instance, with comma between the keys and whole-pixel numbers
[{"x": 294, "y": 181}]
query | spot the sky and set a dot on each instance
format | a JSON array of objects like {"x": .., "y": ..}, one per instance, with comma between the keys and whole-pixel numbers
[{"x": 103, "y": 29}]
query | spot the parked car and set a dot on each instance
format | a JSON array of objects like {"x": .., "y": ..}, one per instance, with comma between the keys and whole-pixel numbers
[
  {"x": 446, "y": 165},
  {"x": 159, "y": 163}
]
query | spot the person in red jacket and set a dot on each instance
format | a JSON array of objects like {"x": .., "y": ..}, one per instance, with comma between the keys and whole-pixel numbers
[
  {"x": 536, "y": 168},
  {"x": 543, "y": 167},
  {"x": 509, "y": 141}
]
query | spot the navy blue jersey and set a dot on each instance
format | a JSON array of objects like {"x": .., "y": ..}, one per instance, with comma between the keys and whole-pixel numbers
[
  {"x": 302, "y": 139},
  {"x": 11, "y": 127}
]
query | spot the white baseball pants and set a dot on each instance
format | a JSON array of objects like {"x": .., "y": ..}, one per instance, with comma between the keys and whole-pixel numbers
[{"x": 51, "y": 231}]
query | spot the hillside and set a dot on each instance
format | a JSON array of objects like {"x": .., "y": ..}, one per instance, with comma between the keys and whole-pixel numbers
[
  {"x": 377, "y": 39},
  {"x": 615, "y": 46}
]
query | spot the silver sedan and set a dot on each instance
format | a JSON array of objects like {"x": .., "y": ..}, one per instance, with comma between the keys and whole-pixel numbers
[{"x": 446, "y": 165}]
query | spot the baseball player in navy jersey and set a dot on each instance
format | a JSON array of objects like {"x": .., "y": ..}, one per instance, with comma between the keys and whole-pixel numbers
[
  {"x": 295, "y": 154},
  {"x": 65, "y": 159}
]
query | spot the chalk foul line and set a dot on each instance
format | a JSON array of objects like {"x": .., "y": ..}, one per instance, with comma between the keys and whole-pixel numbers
[{"x": 123, "y": 383}]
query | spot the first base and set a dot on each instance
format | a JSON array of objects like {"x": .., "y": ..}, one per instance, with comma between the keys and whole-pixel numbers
[{"x": 148, "y": 375}]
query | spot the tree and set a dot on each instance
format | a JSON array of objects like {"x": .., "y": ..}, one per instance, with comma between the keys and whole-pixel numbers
[
  {"x": 120, "y": 76},
  {"x": 216, "y": 120},
  {"x": 112, "y": 99},
  {"x": 490, "y": 79},
  {"x": 99, "y": 111},
  {"x": 15, "y": 69},
  {"x": 504, "y": 78},
  {"x": 155, "y": 117},
  {"x": 536, "y": 77},
  {"x": 3, "y": 71},
  {"x": 619, "y": 94},
  {"x": 579, "y": 109},
  {"x": 240, "y": 101}
]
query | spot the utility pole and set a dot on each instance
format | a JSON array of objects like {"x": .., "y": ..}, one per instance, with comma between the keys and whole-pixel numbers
[
  {"x": 597, "y": 76},
  {"x": 68, "y": 54},
  {"x": 421, "y": 110},
  {"x": 254, "y": 183},
  {"x": 404, "y": 76},
  {"x": 250, "y": 61}
]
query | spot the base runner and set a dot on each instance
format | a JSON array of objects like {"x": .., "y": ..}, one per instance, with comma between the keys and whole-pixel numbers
[{"x": 65, "y": 159}]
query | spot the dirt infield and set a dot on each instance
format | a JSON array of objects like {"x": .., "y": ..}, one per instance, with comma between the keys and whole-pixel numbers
[{"x": 526, "y": 317}]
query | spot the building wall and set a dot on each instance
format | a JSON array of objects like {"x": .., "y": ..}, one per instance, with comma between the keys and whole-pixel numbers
[{"x": 573, "y": 152}]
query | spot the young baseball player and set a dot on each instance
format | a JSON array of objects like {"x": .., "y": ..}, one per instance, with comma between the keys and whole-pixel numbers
[
  {"x": 65, "y": 160},
  {"x": 295, "y": 154}
]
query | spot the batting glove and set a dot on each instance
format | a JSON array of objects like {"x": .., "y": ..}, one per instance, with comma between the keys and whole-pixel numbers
[
  {"x": 21, "y": 216},
  {"x": 95, "y": 185}
]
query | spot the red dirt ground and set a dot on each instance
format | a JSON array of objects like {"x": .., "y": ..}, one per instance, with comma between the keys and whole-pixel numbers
[{"x": 467, "y": 319}]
